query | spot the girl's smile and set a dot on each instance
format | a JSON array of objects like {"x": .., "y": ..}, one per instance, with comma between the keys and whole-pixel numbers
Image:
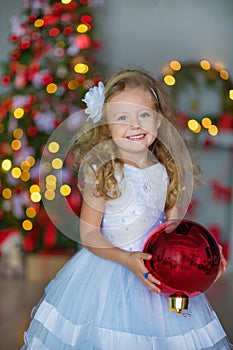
[{"x": 138, "y": 137}]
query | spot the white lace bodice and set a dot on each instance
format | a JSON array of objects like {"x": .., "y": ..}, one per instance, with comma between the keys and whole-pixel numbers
[{"x": 128, "y": 218}]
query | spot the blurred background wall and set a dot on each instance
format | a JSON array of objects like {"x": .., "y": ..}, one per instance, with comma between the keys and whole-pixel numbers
[{"x": 150, "y": 33}]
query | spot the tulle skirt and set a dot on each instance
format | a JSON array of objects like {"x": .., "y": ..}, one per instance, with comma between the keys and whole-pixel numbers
[{"x": 96, "y": 304}]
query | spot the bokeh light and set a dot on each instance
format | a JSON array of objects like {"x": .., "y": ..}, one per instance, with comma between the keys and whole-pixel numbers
[
  {"x": 25, "y": 176},
  {"x": 25, "y": 166},
  {"x": 81, "y": 68},
  {"x": 51, "y": 88},
  {"x": 16, "y": 145},
  {"x": 30, "y": 212},
  {"x": 27, "y": 225},
  {"x": 213, "y": 130},
  {"x": 31, "y": 160},
  {"x": 169, "y": 80},
  {"x": 206, "y": 122},
  {"x": 175, "y": 65},
  {"x": 194, "y": 126},
  {"x": 231, "y": 94},
  {"x": 18, "y": 133},
  {"x": 7, "y": 193},
  {"x": 34, "y": 188},
  {"x": 6, "y": 164},
  {"x": 65, "y": 190},
  {"x": 18, "y": 113},
  {"x": 72, "y": 85},
  {"x": 53, "y": 147},
  {"x": 49, "y": 195},
  {"x": 82, "y": 28},
  {"x": 205, "y": 64},
  {"x": 224, "y": 74},
  {"x": 57, "y": 163},
  {"x": 16, "y": 172},
  {"x": 46, "y": 167},
  {"x": 35, "y": 197},
  {"x": 39, "y": 23},
  {"x": 51, "y": 179}
]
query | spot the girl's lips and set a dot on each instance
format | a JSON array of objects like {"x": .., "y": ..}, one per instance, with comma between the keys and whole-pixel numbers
[{"x": 136, "y": 137}]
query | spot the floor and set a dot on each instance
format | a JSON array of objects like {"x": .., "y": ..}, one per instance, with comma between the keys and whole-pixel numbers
[{"x": 18, "y": 296}]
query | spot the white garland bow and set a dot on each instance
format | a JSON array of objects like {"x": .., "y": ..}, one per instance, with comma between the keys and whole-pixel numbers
[{"x": 94, "y": 100}]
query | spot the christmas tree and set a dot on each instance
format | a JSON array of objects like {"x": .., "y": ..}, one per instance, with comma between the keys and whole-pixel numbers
[{"x": 50, "y": 67}]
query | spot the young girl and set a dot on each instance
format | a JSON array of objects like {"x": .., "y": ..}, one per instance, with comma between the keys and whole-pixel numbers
[{"x": 135, "y": 173}]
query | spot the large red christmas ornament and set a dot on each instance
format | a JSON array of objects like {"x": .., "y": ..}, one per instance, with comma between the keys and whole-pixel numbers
[{"x": 185, "y": 258}]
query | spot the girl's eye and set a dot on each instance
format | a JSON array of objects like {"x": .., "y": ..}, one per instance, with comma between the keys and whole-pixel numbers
[
  {"x": 144, "y": 115},
  {"x": 122, "y": 117}
]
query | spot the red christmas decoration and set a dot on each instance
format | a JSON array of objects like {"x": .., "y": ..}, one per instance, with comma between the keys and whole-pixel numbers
[
  {"x": 68, "y": 30},
  {"x": 49, "y": 20},
  {"x": 192, "y": 206},
  {"x": 182, "y": 119},
  {"x": 15, "y": 55},
  {"x": 5, "y": 80},
  {"x": 32, "y": 18},
  {"x": 208, "y": 143},
  {"x": 96, "y": 44},
  {"x": 54, "y": 31},
  {"x": 86, "y": 19},
  {"x": 25, "y": 43},
  {"x": 32, "y": 131},
  {"x": 226, "y": 250},
  {"x": 4, "y": 148},
  {"x": 215, "y": 231},
  {"x": 47, "y": 79},
  {"x": 13, "y": 38},
  {"x": 29, "y": 242},
  {"x": 225, "y": 121},
  {"x": 50, "y": 235},
  {"x": 185, "y": 258},
  {"x": 84, "y": 2},
  {"x": 83, "y": 41},
  {"x": 221, "y": 193},
  {"x": 14, "y": 66}
]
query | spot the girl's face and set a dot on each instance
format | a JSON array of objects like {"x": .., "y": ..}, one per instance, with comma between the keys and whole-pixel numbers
[{"x": 132, "y": 121}]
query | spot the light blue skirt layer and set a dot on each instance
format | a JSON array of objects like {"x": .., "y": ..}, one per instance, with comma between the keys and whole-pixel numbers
[{"x": 97, "y": 304}]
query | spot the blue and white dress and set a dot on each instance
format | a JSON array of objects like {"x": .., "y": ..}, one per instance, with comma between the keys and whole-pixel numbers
[{"x": 98, "y": 304}]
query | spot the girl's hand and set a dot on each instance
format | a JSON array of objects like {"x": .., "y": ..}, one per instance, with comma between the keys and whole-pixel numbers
[
  {"x": 223, "y": 264},
  {"x": 134, "y": 261}
]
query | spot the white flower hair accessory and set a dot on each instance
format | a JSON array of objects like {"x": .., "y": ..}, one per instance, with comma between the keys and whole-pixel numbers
[{"x": 94, "y": 100}]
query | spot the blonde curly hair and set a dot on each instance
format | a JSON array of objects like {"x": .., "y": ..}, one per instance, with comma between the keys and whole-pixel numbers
[{"x": 96, "y": 157}]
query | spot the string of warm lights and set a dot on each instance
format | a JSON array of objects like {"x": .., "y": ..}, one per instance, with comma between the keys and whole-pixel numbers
[{"x": 170, "y": 79}]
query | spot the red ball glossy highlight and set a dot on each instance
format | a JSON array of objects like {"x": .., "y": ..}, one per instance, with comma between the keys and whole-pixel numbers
[{"x": 185, "y": 257}]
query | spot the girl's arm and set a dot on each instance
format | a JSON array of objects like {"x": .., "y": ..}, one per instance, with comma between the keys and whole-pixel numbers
[{"x": 93, "y": 240}]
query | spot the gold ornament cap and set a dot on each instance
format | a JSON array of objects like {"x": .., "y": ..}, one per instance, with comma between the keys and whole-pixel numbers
[{"x": 178, "y": 302}]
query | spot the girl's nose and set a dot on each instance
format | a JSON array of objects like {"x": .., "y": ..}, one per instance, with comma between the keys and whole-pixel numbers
[
  {"x": 134, "y": 126},
  {"x": 134, "y": 122}
]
